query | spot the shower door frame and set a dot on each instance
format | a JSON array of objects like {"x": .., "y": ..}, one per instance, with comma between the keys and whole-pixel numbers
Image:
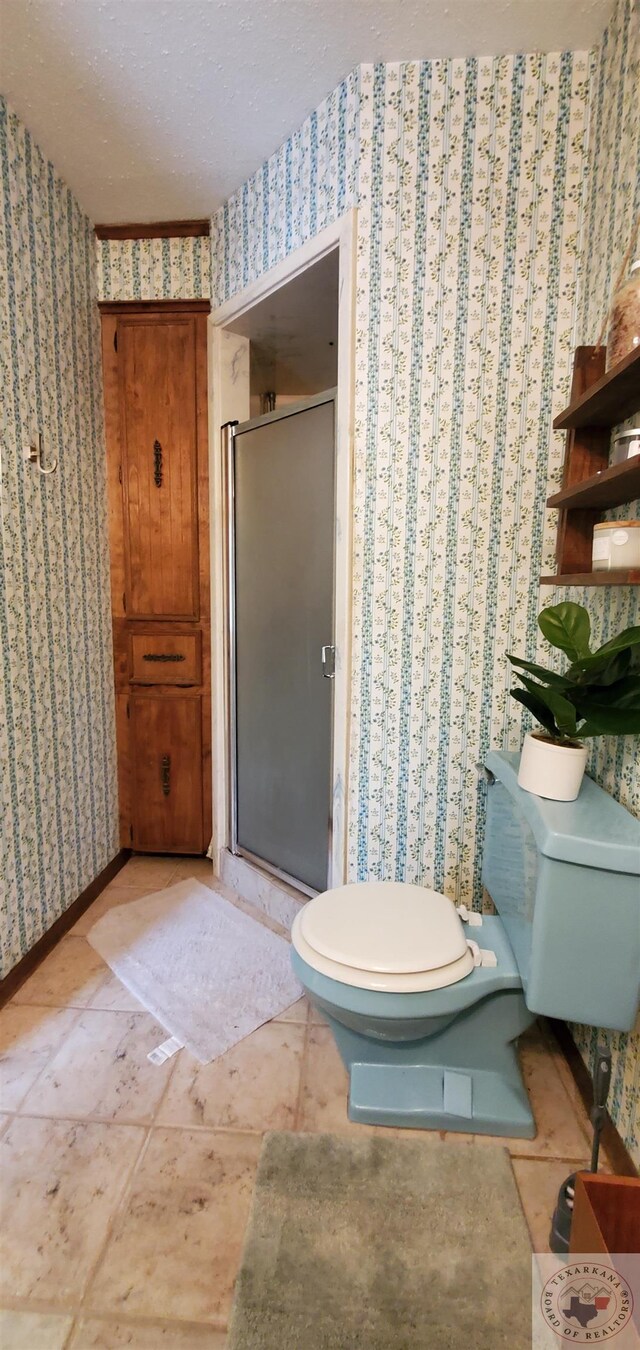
[{"x": 341, "y": 237}]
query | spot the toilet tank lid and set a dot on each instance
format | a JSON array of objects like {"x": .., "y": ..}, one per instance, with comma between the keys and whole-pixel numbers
[{"x": 593, "y": 831}]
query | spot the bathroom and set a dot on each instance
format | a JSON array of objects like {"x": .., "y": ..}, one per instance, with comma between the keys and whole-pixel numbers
[{"x": 481, "y": 205}]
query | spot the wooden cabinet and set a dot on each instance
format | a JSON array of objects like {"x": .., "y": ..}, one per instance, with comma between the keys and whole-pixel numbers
[
  {"x": 166, "y": 733},
  {"x": 155, "y": 389}
]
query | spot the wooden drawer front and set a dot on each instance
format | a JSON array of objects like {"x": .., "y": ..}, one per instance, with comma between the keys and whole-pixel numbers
[
  {"x": 166, "y": 772},
  {"x": 164, "y": 658}
]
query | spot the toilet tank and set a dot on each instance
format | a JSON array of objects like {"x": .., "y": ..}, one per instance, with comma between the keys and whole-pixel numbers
[{"x": 565, "y": 879}]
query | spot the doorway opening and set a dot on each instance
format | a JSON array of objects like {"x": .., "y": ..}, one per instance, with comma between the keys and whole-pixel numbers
[
  {"x": 281, "y": 418},
  {"x": 293, "y": 338}
]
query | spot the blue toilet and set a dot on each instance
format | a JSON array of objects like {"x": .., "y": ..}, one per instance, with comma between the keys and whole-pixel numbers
[{"x": 426, "y": 1002}]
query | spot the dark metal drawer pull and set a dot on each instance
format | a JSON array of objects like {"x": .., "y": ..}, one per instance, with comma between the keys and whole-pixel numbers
[
  {"x": 164, "y": 656},
  {"x": 165, "y": 775},
  {"x": 157, "y": 463}
]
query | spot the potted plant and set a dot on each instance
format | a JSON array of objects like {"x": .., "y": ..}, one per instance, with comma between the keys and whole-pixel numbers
[{"x": 597, "y": 695}]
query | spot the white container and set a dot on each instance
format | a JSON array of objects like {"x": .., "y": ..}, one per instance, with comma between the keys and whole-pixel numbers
[
  {"x": 626, "y": 445},
  {"x": 549, "y": 770},
  {"x": 616, "y": 543}
]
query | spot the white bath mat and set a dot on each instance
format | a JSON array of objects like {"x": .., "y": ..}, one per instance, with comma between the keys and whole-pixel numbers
[{"x": 208, "y": 973}]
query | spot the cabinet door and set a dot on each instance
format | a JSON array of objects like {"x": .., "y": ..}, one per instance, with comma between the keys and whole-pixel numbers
[
  {"x": 157, "y": 383},
  {"x": 166, "y": 771}
]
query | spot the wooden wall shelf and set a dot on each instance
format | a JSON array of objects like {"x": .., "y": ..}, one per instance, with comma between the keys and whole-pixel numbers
[
  {"x": 629, "y": 576},
  {"x": 612, "y": 487},
  {"x": 613, "y": 397},
  {"x": 590, "y": 485}
]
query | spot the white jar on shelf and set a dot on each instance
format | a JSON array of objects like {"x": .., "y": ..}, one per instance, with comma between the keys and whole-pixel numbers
[
  {"x": 616, "y": 545},
  {"x": 626, "y": 445}
]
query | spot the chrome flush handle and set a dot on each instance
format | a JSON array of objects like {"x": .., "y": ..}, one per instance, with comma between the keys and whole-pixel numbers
[{"x": 329, "y": 661}]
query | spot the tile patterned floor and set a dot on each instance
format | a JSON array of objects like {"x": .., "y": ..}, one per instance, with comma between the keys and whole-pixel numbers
[{"x": 126, "y": 1187}]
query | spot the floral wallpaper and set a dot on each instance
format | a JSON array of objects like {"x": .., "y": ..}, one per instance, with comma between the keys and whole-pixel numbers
[
  {"x": 464, "y": 325},
  {"x": 154, "y": 269},
  {"x": 306, "y": 185},
  {"x": 612, "y": 203},
  {"x": 469, "y": 177},
  {"x": 57, "y": 733}
]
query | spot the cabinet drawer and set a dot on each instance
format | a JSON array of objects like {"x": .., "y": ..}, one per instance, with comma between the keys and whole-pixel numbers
[{"x": 164, "y": 658}]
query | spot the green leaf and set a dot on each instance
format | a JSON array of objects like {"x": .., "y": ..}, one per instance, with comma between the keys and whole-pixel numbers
[
  {"x": 611, "y": 722},
  {"x": 629, "y": 637},
  {"x": 547, "y": 676},
  {"x": 604, "y": 669},
  {"x": 564, "y": 713},
  {"x": 537, "y": 707},
  {"x": 568, "y": 627},
  {"x": 623, "y": 694},
  {"x": 597, "y": 662}
]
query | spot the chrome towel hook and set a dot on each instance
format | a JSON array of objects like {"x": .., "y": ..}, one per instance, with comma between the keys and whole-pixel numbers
[{"x": 34, "y": 455}]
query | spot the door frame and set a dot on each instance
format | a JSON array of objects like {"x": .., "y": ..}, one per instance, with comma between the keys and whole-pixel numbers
[{"x": 223, "y": 397}]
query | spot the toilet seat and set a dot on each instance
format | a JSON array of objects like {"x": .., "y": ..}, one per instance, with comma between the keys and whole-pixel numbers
[
  {"x": 387, "y": 936},
  {"x": 416, "y": 982}
]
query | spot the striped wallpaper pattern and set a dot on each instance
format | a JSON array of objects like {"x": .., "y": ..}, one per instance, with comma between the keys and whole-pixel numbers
[
  {"x": 471, "y": 222},
  {"x": 154, "y": 269},
  {"x": 470, "y": 180},
  {"x": 57, "y": 737},
  {"x": 467, "y": 176},
  {"x": 308, "y": 183}
]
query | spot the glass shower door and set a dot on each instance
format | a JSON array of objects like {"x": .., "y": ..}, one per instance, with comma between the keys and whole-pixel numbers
[{"x": 281, "y": 607}]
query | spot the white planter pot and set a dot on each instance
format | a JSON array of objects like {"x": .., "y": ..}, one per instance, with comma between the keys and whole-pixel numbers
[{"x": 554, "y": 771}]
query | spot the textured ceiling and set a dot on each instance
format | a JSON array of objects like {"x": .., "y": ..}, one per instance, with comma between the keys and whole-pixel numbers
[{"x": 156, "y": 109}]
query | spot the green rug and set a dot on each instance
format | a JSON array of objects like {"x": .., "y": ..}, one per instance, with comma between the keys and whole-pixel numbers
[{"x": 372, "y": 1243}]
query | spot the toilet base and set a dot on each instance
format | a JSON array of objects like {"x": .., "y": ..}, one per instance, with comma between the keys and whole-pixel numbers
[{"x": 465, "y": 1078}]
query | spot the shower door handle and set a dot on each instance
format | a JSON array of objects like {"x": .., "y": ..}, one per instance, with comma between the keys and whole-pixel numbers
[{"x": 329, "y": 661}]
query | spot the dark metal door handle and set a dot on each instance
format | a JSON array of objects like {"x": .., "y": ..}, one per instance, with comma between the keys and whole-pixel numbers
[
  {"x": 157, "y": 463},
  {"x": 164, "y": 656},
  {"x": 165, "y": 774}
]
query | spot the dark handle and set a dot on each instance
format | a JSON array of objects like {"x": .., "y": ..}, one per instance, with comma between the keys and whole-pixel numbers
[
  {"x": 164, "y": 656},
  {"x": 165, "y": 775},
  {"x": 157, "y": 463}
]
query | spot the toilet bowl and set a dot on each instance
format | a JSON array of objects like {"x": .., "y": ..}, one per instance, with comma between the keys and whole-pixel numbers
[
  {"x": 398, "y": 1028},
  {"x": 426, "y": 1002}
]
